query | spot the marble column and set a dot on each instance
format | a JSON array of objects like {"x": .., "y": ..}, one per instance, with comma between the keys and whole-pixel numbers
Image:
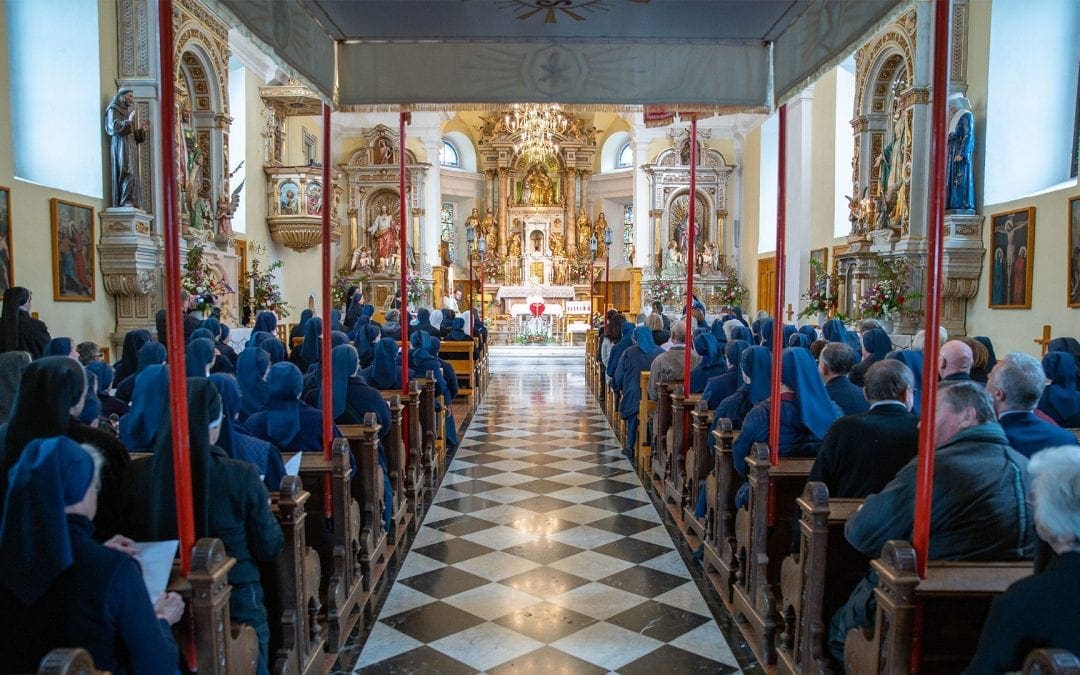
[
  {"x": 501, "y": 208},
  {"x": 731, "y": 247},
  {"x": 432, "y": 205},
  {"x": 800, "y": 119},
  {"x": 643, "y": 239},
  {"x": 569, "y": 215}
]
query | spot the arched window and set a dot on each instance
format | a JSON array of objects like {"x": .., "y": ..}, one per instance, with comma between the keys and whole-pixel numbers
[
  {"x": 625, "y": 158},
  {"x": 448, "y": 156}
]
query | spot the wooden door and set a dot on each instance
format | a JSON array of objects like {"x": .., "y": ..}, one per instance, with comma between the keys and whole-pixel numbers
[{"x": 766, "y": 284}]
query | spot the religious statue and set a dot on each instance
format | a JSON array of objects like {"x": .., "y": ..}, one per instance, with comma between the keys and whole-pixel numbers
[
  {"x": 125, "y": 135},
  {"x": 513, "y": 249},
  {"x": 599, "y": 229},
  {"x": 384, "y": 232},
  {"x": 538, "y": 189},
  {"x": 224, "y": 212},
  {"x": 197, "y": 206},
  {"x": 708, "y": 258},
  {"x": 473, "y": 221},
  {"x": 672, "y": 258},
  {"x": 893, "y": 154},
  {"x": 362, "y": 260},
  {"x": 900, "y": 208},
  {"x": 383, "y": 152},
  {"x": 556, "y": 243},
  {"x": 584, "y": 231},
  {"x": 961, "y": 181}
]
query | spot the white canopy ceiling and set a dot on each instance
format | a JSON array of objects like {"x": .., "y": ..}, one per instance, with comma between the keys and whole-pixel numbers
[{"x": 710, "y": 53}]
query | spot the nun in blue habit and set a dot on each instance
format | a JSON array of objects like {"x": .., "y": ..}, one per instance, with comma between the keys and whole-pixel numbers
[
  {"x": 810, "y": 332},
  {"x": 634, "y": 361},
  {"x": 59, "y": 587},
  {"x": 148, "y": 409},
  {"x": 912, "y": 360},
  {"x": 364, "y": 337},
  {"x": 799, "y": 340},
  {"x": 806, "y": 412},
  {"x": 313, "y": 376},
  {"x": 876, "y": 346},
  {"x": 310, "y": 349},
  {"x": 227, "y": 362},
  {"x": 200, "y": 357},
  {"x": 352, "y": 310},
  {"x": 1060, "y": 400},
  {"x": 423, "y": 321},
  {"x": 288, "y": 422},
  {"x": 335, "y": 320},
  {"x": 110, "y": 405},
  {"x": 450, "y": 377},
  {"x": 352, "y": 400},
  {"x": 275, "y": 350},
  {"x": 424, "y": 358},
  {"x": 755, "y": 363},
  {"x": 251, "y": 368},
  {"x": 385, "y": 370},
  {"x": 235, "y": 440},
  {"x": 230, "y": 503},
  {"x": 787, "y": 331},
  {"x": 711, "y": 364},
  {"x": 833, "y": 330},
  {"x": 726, "y": 383},
  {"x": 742, "y": 333},
  {"x": 298, "y": 329},
  {"x": 265, "y": 321},
  {"x": 619, "y": 347},
  {"x": 134, "y": 340},
  {"x": 61, "y": 346},
  {"x": 150, "y": 354}
]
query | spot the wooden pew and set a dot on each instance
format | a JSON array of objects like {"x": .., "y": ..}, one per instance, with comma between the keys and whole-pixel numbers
[
  {"x": 676, "y": 488},
  {"x": 643, "y": 451},
  {"x": 291, "y": 588},
  {"x": 366, "y": 486},
  {"x": 761, "y": 548},
  {"x": 699, "y": 463},
  {"x": 660, "y": 460},
  {"x": 337, "y": 542},
  {"x": 460, "y": 355},
  {"x": 405, "y": 465},
  {"x": 955, "y": 598},
  {"x": 68, "y": 661},
  {"x": 720, "y": 561},
  {"x": 815, "y": 581},
  {"x": 430, "y": 431},
  {"x": 221, "y": 646},
  {"x": 1051, "y": 662}
]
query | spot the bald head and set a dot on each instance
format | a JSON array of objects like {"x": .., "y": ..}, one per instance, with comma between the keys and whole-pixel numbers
[{"x": 955, "y": 357}]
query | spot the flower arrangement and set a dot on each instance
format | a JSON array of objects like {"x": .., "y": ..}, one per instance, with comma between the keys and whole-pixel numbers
[
  {"x": 198, "y": 280},
  {"x": 266, "y": 294},
  {"x": 343, "y": 279},
  {"x": 492, "y": 266},
  {"x": 734, "y": 293},
  {"x": 891, "y": 293},
  {"x": 417, "y": 289},
  {"x": 822, "y": 297},
  {"x": 664, "y": 291},
  {"x": 529, "y": 337}
]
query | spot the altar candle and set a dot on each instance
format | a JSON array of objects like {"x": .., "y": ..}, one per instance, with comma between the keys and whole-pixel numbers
[{"x": 251, "y": 286}]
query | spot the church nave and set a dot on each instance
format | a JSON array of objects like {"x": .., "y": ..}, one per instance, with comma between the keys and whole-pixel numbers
[{"x": 542, "y": 552}]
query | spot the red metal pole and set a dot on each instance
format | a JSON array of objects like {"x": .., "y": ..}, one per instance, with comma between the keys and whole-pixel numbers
[
  {"x": 691, "y": 235},
  {"x": 404, "y": 118},
  {"x": 325, "y": 385},
  {"x": 174, "y": 312},
  {"x": 483, "y": 255},
  {"x": 924, "y": 481},
  {"x": 778, "y": 307}
]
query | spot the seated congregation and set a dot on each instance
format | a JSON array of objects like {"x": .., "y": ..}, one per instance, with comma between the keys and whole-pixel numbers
[
  {"x": 811, "y": 552},
  {"x": 88, "y": 471}
]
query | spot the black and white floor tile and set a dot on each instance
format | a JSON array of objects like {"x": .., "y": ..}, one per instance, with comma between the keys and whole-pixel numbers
[{"x": 542, "y": 552}]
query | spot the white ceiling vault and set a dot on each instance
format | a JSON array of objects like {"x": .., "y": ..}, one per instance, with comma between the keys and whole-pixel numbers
[{"x": 728, "y": 55}]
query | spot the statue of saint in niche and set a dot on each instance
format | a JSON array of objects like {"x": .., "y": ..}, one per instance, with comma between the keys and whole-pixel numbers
[
  {"x": 538, "y": 190},
  {"x": 961, "y": 185},
  {"x": 384, "y": 233},
  {"x": 125, "y": 134}
]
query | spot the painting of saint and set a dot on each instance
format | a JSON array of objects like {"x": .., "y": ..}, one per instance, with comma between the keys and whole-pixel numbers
[
  {"x": 73, "y": 251},
  {"x": 289, "y": 198},
  {"x": 1012, "y": 259},
  {"x": 314, "y": 199},
  {"x": 1074, "y": 252}
]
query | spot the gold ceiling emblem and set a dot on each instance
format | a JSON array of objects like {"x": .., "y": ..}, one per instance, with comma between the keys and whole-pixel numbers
[{"x": 551, "y": 9}]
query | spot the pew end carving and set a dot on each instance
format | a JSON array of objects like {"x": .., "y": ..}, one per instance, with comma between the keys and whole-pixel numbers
[{"x": 222, "y": 646}]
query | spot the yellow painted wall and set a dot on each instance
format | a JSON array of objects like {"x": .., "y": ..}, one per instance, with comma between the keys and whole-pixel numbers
[
  {"x": 31, "y": 230},
  {"x": 751, "y": 182}
]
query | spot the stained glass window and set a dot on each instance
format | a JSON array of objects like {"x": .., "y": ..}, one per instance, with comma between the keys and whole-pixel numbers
[
  {"x": 446, "y": 233},
  {"x": 628, "y": 233},
  {"x": 626, "y": 157},
  {"x": 448, "y": 156}
]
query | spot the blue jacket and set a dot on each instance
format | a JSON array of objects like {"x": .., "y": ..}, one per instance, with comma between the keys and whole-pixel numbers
[
  {"x": 795, "y": 439},
  {"x": 628, "y": 378},
  {"x": 846, "y": 395},
  {"x": 1028, "y": 434},
  {"x": 720, "y": 387}
]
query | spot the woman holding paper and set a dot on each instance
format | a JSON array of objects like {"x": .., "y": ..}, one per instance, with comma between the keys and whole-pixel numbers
[{"x": 60, "y": 588}]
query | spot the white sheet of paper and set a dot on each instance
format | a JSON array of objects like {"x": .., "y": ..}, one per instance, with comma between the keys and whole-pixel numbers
[
  {"x": 156, "y": 559},
  {"x": 292, "y": 467}
]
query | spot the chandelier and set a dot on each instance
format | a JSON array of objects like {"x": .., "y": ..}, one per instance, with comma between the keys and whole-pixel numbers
[{"x": 535, "y": 126}]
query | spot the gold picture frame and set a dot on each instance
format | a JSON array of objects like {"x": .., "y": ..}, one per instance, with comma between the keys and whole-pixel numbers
[
  {"x": 1012, "y": 258},
  {"x": 73, "y": 247},
  {"x": 1072, "y": 287}
]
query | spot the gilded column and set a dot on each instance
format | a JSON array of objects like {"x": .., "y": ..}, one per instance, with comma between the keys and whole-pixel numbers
[
  {"x": 501, "y": 207},
  {"x": 656, "y": 246},
  {"x": 570, "y": 216}
]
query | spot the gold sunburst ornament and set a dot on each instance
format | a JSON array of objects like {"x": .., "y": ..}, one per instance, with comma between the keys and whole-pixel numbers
[{"x": 552, "y": 9}]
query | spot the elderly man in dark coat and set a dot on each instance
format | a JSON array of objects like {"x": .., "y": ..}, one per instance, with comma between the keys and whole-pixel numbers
[{"x": 1015, "y": 385}]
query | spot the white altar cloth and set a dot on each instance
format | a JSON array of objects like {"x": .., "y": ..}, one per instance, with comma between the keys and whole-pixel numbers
[{"x": 543, "y": 291}]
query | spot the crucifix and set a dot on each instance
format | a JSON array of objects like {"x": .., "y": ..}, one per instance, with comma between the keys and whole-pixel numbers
[
  {"x": 1045, "y": 341},
  {"x": 790, "y": 312}
]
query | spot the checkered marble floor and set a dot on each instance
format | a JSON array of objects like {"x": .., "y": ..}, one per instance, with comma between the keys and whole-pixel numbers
[{"x": 542, "y": 552}]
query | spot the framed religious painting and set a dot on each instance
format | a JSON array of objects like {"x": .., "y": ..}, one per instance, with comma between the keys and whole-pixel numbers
[
  {"x": 1012, "y": 258},
  {"x": 7, "y": 261},
  {"x": 73, "y": 251},
  {"x": 1074, "y": 252},
  {"x": 819, "y": 264}
]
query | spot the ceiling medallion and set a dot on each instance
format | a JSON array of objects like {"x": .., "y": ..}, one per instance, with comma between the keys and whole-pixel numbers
[{"x": 550, "y": 9}]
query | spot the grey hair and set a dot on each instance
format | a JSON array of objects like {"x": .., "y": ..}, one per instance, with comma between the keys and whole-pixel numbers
[
  {"x": 1055, "y": 490},
  {"x": 966, "y": 394},
  {"x": 392, "y": 315},
  {"x": 888, "y": 380},
  {"x": 867, "y": 324},
  {"x": 918, "y": 343},
  {"x": 1021, "y": 378},
  {"x": 838, "y": 357},
  {"x": 729, "y": 328},
  {"x": 678, "y": 331},
  {"x": 654, "y": 322}
]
